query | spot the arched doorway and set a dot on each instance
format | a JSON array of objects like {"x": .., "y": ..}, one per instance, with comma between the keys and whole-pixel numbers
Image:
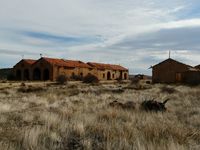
[
  {"x": 108, "y": 76},
  {"x": 46, "y": 75},
  {"x": 26, "y": 74},
  {"x": 36, "y": 74},
  {"x": 125, "y": 76},
  {"x": 18, "y": 75}
]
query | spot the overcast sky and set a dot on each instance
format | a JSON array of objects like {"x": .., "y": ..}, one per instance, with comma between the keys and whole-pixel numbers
[{"x": 133, "y": 33}]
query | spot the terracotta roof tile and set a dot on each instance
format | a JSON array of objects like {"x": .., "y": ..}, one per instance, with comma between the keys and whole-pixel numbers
[
  {"x": 29, "y": 61},
  {"x": 67, "y": 63},
  {"x": 107, "y": 66}
]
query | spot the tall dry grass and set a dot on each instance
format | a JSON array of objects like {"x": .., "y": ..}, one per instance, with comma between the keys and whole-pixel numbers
[{"x": 78, "y": 116}]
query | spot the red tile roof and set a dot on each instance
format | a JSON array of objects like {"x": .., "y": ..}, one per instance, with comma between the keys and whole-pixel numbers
[
  {"x": 172, "y": 60},
  {"x": 107, "y": 66},
  {"x": 54, "y": 61},
  {"x": 76, "y": 63},
  {"x": 29, "y": 61},
  {"x": 67, "y": 63}
]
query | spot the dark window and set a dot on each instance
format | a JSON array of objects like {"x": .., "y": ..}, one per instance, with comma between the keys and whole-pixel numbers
[
  {"x": 81, "y": 74},
  {"x": 113, "y": 75}
]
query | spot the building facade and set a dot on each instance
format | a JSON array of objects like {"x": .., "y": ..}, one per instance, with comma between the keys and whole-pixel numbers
[
  {"x": 172, "y": 71},
  {"x": 109, "y": 71},
  {"x": 50, "y": 68}
]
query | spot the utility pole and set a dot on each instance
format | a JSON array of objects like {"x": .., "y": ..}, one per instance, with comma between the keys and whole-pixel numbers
[{"x": 169, "y": 54}]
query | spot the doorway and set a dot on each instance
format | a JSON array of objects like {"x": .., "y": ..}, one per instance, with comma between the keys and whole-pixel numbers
[
  {"x": 46, "y": 75},
  {"x": 26, "y": 74},
  {"x": 36, "y": 74},
  {"x": 108, "y": 76},
  {"x": 18, "y": 75}
]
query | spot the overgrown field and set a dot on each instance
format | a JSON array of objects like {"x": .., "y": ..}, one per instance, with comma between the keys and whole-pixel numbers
[{"x": 42, "y": 116}]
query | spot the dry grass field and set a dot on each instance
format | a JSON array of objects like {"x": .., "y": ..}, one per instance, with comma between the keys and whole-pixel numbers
[{"x": 43, "y": 116}]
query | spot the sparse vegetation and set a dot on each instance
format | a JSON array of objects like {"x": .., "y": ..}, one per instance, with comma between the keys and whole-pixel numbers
[
  {"x": 168, "y": 90},
  {"x": 61, "y": 79},
  {"x": 78, "y": 116},
  {"x": 30, "y": 89},
  {"x": 76, "y": 78},
  {"x": 90, "y": 79}
]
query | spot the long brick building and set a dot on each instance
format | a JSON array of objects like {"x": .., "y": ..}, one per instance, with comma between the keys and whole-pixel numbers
[{"x": 50, "y": 68}]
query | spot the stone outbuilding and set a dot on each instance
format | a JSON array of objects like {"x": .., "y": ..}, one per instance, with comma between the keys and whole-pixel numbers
[
  {"x": 168, "y": 71},
  {"x": 23, "y": 69},
  {"x": 172, "y": 71},
  {"x": 109, "y": 71}
]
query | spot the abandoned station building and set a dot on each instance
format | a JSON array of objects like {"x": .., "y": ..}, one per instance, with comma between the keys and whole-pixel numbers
[
  {"x": 50, "y": 68},
  {"x": 172, "y": 71}
]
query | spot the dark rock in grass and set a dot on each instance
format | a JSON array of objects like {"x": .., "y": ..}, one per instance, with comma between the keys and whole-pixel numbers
[
  {"x": 23, "y": 84},
  {"x": 152, "y": 105}
]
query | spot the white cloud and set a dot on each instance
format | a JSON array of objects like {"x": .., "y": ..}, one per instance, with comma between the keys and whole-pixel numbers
[{"x": 115, "y": 22}]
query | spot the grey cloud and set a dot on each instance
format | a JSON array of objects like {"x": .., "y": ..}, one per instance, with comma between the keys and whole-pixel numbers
[{"x": 171, "y": 39}]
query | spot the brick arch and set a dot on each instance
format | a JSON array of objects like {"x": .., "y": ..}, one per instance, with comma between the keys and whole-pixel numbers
[
  {"x": 19, "y": 74},
  {"x": 26, "y": 74},
  {"x": 46, "y": 74},
  {"x": 37, "y": 74},
  {"x": 108, "y": 75}
]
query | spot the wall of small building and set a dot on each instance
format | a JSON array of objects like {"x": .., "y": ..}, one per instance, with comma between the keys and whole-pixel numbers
[
  {"x": 191, "y": 77},
  {"x": 42, "y": 70},
  {"x": 70, "y": 72},
  {"x": 20, "y": 71},
  {"x": 107, "y": 74},
  {"x": 167, "y": 72}
]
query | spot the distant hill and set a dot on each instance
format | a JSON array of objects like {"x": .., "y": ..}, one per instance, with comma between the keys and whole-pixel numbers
[
  {"x": 140, "y": 76},
  {"x": 5, "y": 72}
]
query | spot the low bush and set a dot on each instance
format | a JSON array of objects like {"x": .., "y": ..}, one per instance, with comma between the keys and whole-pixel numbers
[
  {"x": 61, "y": 79},
  {"x": 77, "y": 77},
  {"x": 168, "y": 90},
  {"x": 135, "y": 81},
  {"x": 30, "y": 89},
  {"x": 23, "y": 84},
  {"x": 90, "y": 79}
]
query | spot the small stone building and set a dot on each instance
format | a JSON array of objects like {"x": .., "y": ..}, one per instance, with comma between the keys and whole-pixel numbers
[
  {"x": 23, "y": 69},
  {"x": 109, "y": 71},
  {"x": 172, "y": 71},
  {"x": 168, "y": 71},
  {"x": 50, "y": 68}
]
